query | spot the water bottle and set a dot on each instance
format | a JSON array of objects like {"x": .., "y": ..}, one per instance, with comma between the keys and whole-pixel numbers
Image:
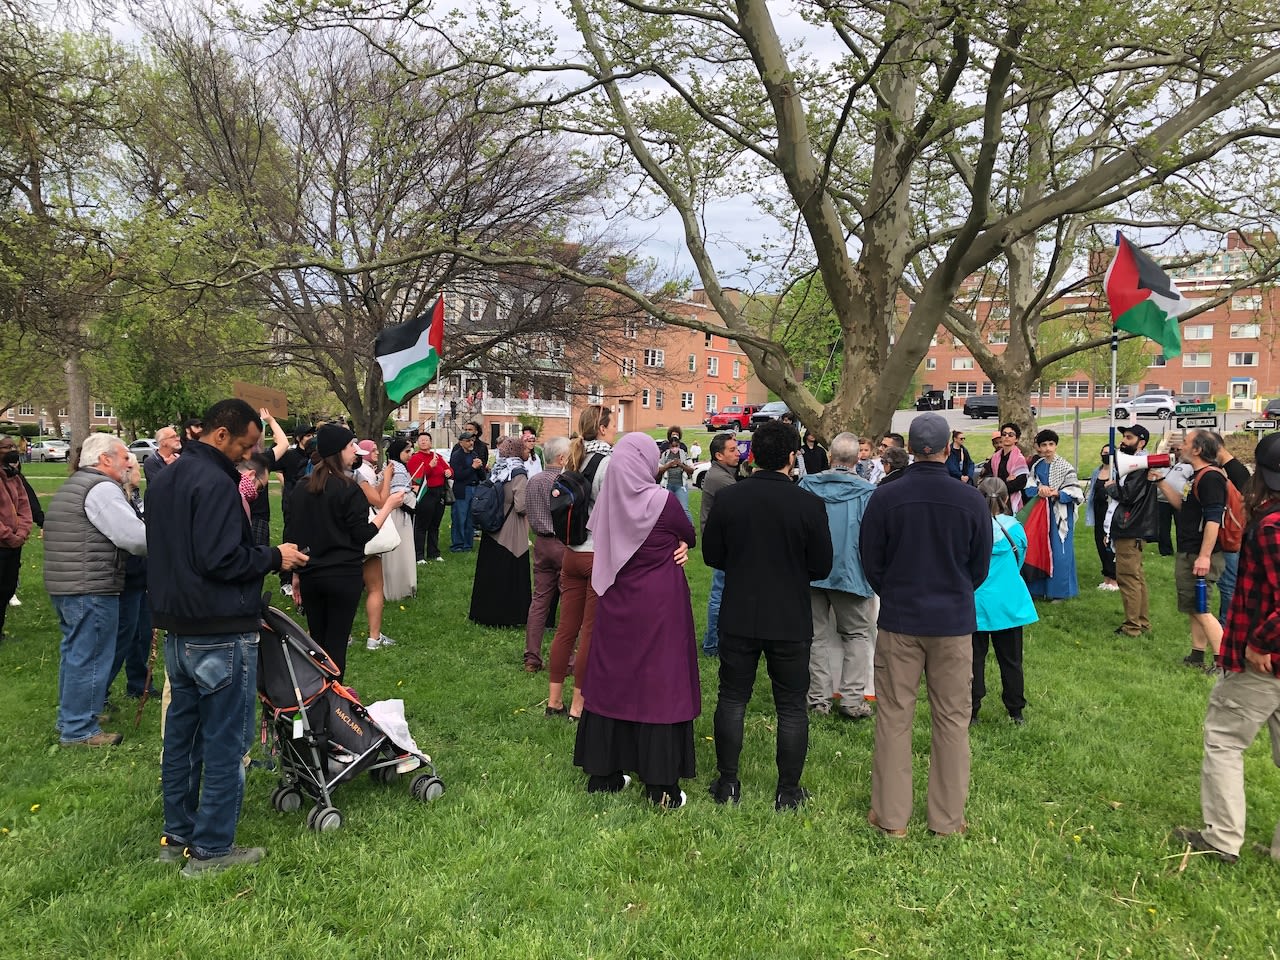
[{"x": 1202, "y": 595}]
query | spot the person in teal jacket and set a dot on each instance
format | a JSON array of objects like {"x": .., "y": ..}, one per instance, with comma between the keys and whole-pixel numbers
[
  {"x": 1004, "y": 605},
  {"x": 844, "y": 629}
]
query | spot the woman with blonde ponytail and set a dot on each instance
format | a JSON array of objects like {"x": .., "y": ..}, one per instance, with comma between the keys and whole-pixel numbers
[
  {"x": 1003, "y": 604},
  {"x": 589, "y": 454}
]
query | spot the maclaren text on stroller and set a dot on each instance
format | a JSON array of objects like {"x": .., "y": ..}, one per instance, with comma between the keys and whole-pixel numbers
[{"x": 322, "y": 733}]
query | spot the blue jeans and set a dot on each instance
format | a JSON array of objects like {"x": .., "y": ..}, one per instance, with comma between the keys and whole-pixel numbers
[
  {"x": 681, "y": 493},
  {"x": 462, "y": 528},
  {"x": 88, "y": 624},
  {"x": 711, "y": 642},
  {"x": 1227, "y": 584},
  {"x": 133, "y": 641},
  {"x": 208, "y": 730}
]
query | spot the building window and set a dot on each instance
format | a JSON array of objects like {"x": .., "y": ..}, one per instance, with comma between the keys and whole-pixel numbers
[
  {"x": 1158, "y": 360},
  {"x": 1197, "y": 331},
  {"x": 988, "y": 388},
  {"x": 713, "y": 366},
  {"x": 931, "y": 363},
  {"x": 737, "y": 369},
  {"x": 1196, "y": 388},
  {"x": 595, "y": 352},
  {"x": 686, "y": 400},
  {"x": 595, "y": 393},
  {"x": 657, "y": 398},
  {"x": 644, "y": 397},
  {"x": 555, "y": 350},
  {"x": 711, "y": 403},
  {"x": 962, "y": 363},
  {"x": 26, "y": 410},
  {"x": 998, "y": 336},
  {"x": 963, "y": 388},
  {"x": 693, "y": 363},
  {"x": 628, "y": 366},
  {"x": 103, "y": 411},
  {"x": 933, "y": 342},
  {"x": 654, "y": 358},
  {"x": 706, "y": 341},
  {"x": 1243, "y": 360},
  {"x": 1246, "y": 301},
  {"x": 1246, "y": 331},
  {"x": 734, "y": 399},
  {"x": 1073, "y": 389},
  {"x": 630, "y": 329},
  {"x": 1197, "y": 359}
]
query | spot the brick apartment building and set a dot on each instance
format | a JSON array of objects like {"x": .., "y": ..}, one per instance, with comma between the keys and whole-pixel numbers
[
  {"x": 1228, "y": 351},
  {"x": 653, "y": 375}
]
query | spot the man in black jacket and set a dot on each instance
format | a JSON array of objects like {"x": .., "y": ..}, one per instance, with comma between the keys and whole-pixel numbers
[
  {"x": 771, "y": 539},
  {"x": 1134, "y": 522},
  {"x": 926, "y": 546},
  {"x": 204, "y": 581}
]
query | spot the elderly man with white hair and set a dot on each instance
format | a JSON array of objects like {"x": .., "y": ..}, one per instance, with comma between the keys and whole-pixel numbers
[{"x": 89, "y": 529}]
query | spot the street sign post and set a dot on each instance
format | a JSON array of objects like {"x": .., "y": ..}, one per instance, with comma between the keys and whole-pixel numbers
[
  {"x": 1195, "y": 408},
  {"x": 1191, "y": 423}
]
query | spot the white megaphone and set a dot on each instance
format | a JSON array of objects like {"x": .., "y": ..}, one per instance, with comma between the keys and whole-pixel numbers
[{"x": 1126, "y": 463}]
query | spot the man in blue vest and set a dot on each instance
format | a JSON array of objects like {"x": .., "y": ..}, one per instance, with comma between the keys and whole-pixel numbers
[{"x": 88, "y": 530}]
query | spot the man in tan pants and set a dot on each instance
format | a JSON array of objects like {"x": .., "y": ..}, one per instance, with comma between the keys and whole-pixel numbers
[
  {"x": 926, "y": 546},
  {"x": 1134, "y": 522}
]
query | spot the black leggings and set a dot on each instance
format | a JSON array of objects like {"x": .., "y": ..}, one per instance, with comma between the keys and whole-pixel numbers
[
  {"x": 331, "y": 600},
  {"x": 10, "y": 565}
]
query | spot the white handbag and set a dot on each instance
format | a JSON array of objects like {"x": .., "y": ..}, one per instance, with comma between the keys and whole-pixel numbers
[{"x": 386, "y": 539}]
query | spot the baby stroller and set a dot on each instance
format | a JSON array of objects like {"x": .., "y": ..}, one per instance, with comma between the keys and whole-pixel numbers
[{"x": 322, "y": 734}]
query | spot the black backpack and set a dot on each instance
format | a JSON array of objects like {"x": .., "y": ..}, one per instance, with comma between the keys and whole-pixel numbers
[
  {"x": 571, "y": 502},
  {"x": 486, "y": 503}
]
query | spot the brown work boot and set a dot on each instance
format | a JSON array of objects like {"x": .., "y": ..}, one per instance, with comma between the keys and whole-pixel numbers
[
  {"x": 875, "y": 822},
  {"x": 99, "y": 739}
]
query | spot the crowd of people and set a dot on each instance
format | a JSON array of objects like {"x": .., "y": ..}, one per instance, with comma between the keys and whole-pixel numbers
[{"x": 824, "y": 584}]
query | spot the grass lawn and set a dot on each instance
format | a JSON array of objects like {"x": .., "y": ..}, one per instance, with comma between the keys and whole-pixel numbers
[{"x": 1069, "y": 851}]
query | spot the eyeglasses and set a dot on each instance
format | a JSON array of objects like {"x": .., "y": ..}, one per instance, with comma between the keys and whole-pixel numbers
[
  {"x": 1008, "y": 433},
  {"x": 959, "y": 439}
]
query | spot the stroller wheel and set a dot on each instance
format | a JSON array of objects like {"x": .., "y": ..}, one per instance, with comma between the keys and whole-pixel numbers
[
  {"x": 385, "y": 774},
  {"x": 426, "y": 787},
  {"x": 324, "y": 819},
  {"x": 287, "y": 799}
]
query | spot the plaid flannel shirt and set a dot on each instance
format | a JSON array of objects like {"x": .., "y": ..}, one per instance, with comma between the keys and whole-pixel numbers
[
  {"x": 1254, "y": 617},
  {"x": 537, "y": 501}
]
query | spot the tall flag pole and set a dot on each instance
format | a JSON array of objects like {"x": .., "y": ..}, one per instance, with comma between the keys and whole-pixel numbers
[
  {"x": 1143, "y": 300},
  {"x": 1115, "y": 354},
  {"x": 409, "y": 353}
]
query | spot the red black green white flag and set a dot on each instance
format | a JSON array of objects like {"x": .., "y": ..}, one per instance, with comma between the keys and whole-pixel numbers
[
  {"x": 409, "y": 353},
  {"x": 1143, "y": 299}
]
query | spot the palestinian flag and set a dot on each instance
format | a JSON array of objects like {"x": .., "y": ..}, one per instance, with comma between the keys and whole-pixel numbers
[
  {"x": 1143, "y": 299},
  {"x": 409, "y": 353}
]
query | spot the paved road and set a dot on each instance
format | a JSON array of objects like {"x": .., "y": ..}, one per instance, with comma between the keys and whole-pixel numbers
[{"x": 1090, "y": 421}]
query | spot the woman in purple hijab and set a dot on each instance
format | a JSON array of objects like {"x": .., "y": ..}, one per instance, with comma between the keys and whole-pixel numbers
[{"x": 642, "y": 688}]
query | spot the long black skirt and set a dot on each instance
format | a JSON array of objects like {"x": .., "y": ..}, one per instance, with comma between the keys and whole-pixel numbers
[
  {"x": 659, "y": 753},
  {"x": 500, "y": 593}
]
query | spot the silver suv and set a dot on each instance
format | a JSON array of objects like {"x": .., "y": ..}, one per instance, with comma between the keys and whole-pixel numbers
[{"x": 1146, "y": 405}]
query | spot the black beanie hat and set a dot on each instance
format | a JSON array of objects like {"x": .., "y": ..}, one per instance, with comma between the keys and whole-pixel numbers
[{"x": 332, "y": 439}]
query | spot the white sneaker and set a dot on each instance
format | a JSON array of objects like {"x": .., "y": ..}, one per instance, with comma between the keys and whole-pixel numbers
[
  {"x": 372, "y": 644},
  {"x": 14, "y": 601},
  {"x": 422, "y": 563},
  {"x": 439, "y": 559},
  {"x": 385, "y": 641}
]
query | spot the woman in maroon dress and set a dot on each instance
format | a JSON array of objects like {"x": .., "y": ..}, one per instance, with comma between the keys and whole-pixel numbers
[{"x": 642, "y": 689}]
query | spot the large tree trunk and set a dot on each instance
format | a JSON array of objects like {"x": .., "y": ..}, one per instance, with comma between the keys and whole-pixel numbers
[{"x": 77, "y": 398}]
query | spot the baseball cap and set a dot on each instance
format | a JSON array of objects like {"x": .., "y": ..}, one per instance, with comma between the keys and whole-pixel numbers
[
  {"x": 929, "y": 434},
  {"x": 1266, "y": 458},
  {"x": 368, "y": 449},
  {"x": 1139, "y": 431}
]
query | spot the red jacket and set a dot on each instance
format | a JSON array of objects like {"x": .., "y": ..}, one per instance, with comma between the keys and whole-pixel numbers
[
  {"x": 429, "y": 466},
  {"x": 15, "y": 512}
]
